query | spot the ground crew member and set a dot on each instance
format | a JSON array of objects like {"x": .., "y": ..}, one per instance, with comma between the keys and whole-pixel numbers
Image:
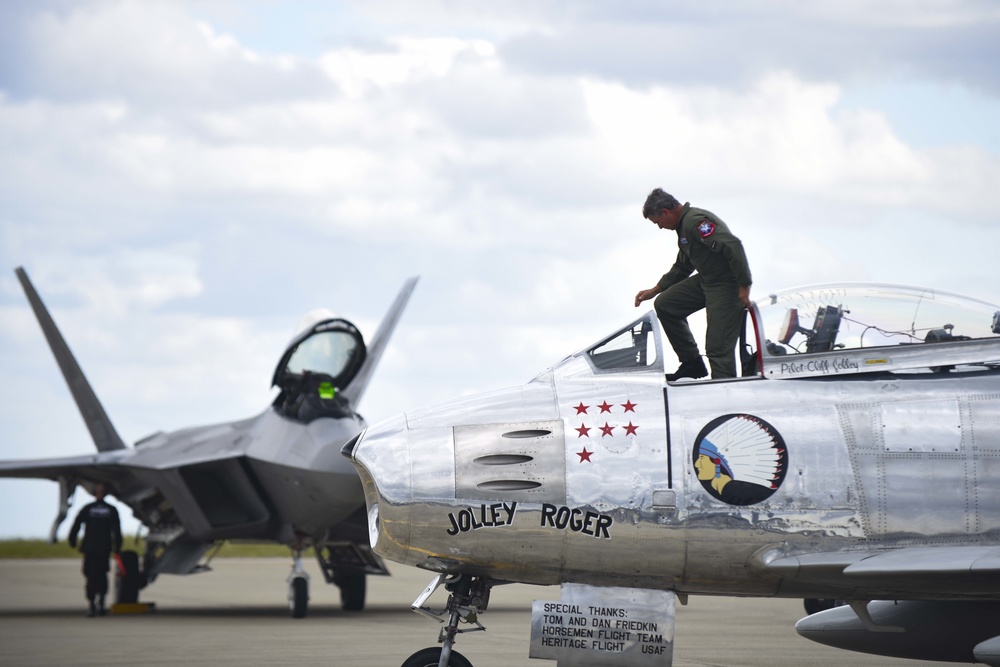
[
  {"x": 721, "y": 286},
  {"x": 102, "y": 536}
]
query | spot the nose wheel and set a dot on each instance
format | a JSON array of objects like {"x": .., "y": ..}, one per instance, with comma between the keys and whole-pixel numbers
[
  {"x": 298, "y": 587},
  {"x": 298, "y": 597},
  {"x": 469, "y": 597},
  {"x": 431, "y": 657}
]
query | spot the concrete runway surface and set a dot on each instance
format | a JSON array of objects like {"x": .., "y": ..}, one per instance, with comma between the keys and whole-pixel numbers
[{"x": 239, "y": 614}]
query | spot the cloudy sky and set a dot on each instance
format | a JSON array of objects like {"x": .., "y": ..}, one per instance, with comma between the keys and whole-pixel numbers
[{"x": 185, "y": 180}]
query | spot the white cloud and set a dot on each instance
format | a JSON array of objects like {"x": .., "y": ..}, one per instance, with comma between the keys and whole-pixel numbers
[
  {"x": 781, "y": 137},
  {"x": 402, "y": 60},
  {"x": 181, "y": 198},
  {"x": 152, "y": 53}
]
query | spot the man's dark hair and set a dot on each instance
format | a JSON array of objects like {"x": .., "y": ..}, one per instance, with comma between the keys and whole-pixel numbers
[{"x": 657, "y": 201}]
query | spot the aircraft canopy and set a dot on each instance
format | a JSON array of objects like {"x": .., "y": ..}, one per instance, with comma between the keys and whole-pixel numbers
[
  {"x": 316, "y": 367},
  {"x": 824, "y": 318}
]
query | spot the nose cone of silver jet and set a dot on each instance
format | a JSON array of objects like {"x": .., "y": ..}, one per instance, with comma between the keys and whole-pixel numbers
[
  {"x": 381, "y": 455},
  {"x": 348, "y": 449}
]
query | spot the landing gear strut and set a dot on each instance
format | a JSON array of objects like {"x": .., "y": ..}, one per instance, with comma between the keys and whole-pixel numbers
[
  {"x": 469, "y": 597},
  {"x": 298, "y": 587}
]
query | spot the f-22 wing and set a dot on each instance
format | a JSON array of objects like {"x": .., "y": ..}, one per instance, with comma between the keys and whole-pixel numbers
[{"x": 275, "y": 477}]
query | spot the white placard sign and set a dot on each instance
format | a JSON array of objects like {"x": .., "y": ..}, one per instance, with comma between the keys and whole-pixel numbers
[{"x": 605, "y": 626}]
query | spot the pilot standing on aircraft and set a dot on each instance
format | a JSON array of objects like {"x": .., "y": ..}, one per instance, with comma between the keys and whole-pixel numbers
[
  {"x": 721, "y": 286},
  {"x": 102, "y": 536}
]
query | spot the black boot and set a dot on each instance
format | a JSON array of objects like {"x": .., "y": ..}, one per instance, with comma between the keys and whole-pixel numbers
[
  {"x": 689, "y": 369},
  {"x": 101, "y": 609},
  {"x": 92, "y": 610}
]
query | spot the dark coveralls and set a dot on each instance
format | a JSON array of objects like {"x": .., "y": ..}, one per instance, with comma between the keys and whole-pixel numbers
[
  {"x": 102, "y": 536},
  {"x": 704, "y": 244}
]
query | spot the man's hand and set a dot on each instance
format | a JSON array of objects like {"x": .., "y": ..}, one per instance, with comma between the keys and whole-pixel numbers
[
  {"x": 744, "y": 295},
  {"x": 647, "y": 294}
]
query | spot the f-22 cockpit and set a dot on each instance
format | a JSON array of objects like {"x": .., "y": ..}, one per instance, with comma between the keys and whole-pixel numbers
[{"x": 318, "y": 363}]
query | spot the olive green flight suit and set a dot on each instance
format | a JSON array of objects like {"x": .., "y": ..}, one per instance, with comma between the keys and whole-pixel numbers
[{"x": 705, "y": 245}]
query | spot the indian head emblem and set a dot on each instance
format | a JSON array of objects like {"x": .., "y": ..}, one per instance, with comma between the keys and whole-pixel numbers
[{"x": 740, "y": 459}]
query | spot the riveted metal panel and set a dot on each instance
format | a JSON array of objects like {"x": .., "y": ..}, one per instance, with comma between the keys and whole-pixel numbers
[
  {"x": 922, "y": 426},
  {"x": 863, "y": 436},
  {"x": 984, "y": 414},
  {"x": 926, "y": 490},
  {"x": 984, "y": 490},
  {"x": 860, "y": 428}
]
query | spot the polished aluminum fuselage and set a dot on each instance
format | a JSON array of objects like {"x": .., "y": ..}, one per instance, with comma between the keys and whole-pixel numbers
[{"x": 586, "y": 475}]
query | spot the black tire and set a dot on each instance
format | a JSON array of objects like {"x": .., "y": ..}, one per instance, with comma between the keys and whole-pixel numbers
[
  {"x": 352, "y": 591},
  {"x": 299, "y": 604},
  {"x": 429, "y": 657}
]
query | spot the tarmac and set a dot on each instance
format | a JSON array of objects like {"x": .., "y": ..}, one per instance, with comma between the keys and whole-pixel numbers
[{"x": 239, "y": 614}]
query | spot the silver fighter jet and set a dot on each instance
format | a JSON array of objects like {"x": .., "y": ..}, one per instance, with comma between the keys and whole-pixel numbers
[
  {"x": 855, "y": 461},
  {"x": 276, "y": 477}
]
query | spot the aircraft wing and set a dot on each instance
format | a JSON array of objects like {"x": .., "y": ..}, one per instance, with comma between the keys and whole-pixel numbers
[
  {"x": 972, "y": 570},
  {"x": 69, "y": 471},
  {"x": 377, "y": 346},
  {"x": 102, "y": 466}
]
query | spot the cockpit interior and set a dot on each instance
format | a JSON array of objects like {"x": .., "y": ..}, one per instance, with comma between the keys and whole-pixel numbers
[
  {"x": 869, "y": 327},
  {"x": 315, "y": 368}
]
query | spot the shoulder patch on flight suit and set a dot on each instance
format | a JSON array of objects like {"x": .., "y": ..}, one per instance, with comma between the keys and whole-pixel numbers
[{"x": 706, "y": 228}]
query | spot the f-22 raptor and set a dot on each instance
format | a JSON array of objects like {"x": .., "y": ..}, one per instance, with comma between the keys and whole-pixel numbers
[{"x": 275, "y": 477}]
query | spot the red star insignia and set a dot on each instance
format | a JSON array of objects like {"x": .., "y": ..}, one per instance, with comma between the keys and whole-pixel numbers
[
  {"x": 629, "y": 406},
  {"x": 581, "y": 409},
  {"x": 583, "y": 431},
  {"x": 584, "y": 455},
  {"x": 605, "y": 407},
  {"x": 630, "y": 429},
  {"x": 606, "y": 429}
]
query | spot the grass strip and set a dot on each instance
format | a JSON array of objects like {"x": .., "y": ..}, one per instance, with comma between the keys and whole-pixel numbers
[{"x": 24, "y": 548}]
